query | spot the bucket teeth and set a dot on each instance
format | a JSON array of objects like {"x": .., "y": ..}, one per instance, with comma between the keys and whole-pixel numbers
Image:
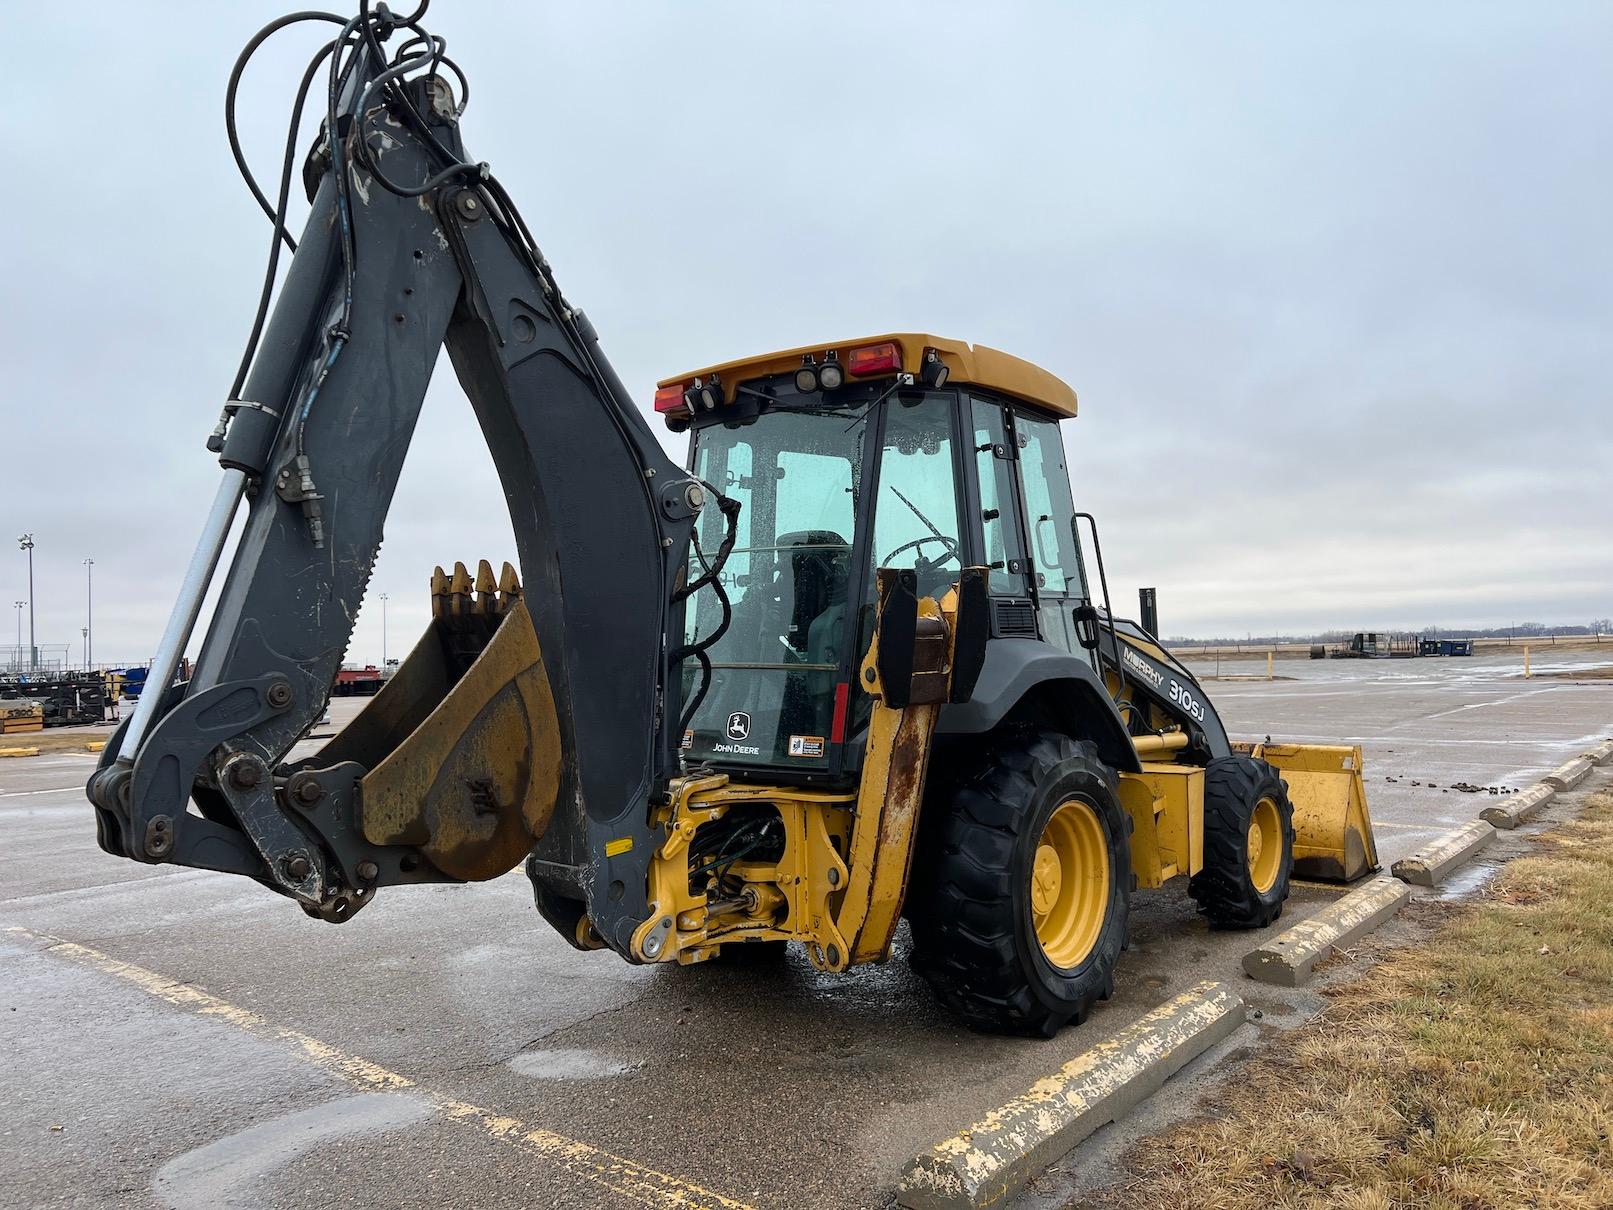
[
  {"x": 509, "y": 588},
  {"x": 459, "y": 595},
  {"x": 459, "y": 603},
  {"x": 439, "y": 592},
  {"x": 486, "y": 588}
]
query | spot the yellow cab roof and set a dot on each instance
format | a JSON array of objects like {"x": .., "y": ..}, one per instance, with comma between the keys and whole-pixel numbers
[{"x": 972, "y": 365}]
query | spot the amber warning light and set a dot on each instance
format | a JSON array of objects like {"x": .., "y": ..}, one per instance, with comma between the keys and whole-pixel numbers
[
  {"x": 669, "y": 399},
  {"x": 883, "y": 358}
]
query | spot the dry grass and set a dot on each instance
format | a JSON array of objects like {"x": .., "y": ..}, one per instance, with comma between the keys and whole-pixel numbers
[{"x": 1473, "y": 1071}]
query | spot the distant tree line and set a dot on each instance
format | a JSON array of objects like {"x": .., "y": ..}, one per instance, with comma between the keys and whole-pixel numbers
[{"x": 1518, "y": 630}]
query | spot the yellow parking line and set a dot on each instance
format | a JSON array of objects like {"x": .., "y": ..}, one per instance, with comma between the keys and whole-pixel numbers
[{"x": 634, "y": 1181}]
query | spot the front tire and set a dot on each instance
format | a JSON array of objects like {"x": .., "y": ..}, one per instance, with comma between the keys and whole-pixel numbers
[
  {"x": 1022, "y": 884},
  {"x": 1248, "y": 844}
]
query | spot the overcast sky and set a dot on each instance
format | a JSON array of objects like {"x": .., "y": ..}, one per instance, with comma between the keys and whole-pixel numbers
[{"x": 1334, "y": 283}]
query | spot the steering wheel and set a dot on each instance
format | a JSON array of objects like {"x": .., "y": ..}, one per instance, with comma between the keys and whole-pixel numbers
[{"x": 951, "y": 551}]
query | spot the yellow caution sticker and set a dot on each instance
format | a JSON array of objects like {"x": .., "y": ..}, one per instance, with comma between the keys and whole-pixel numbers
[{"x": 615, "y": 848}]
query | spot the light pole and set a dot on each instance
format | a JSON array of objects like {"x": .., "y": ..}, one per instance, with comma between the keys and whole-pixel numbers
[
  {"x": 26, "y": 542},
  {"x": 89, "y": 611},
  {"x": 383, "y": 635},
  {"x": 19, "y": 605}
]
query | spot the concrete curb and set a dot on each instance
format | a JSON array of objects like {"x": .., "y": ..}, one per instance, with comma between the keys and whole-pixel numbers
[
  {"x": 1599, "y": 755},
  {"x": 1429, "y": 864},
  {"x": 1510, "y": 812},
  {"x": 1566, "y": 777},
  {"x": 94, "y": 745},
  {"x": 1287, "y": 959},
  {"x": 993, "y": 1159}
]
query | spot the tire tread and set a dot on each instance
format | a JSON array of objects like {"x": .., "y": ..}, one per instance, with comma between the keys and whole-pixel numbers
[
  {"x": 1222, "y": 888},
  {"x": 983, "y": 799}
]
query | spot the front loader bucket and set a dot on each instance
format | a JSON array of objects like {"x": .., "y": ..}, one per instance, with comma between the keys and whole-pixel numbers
[
  {"x": 463, "y": 742},
  {"x": 1333, "y": 839}
]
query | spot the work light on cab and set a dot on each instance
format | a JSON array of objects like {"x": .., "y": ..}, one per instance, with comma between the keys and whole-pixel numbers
[
  {"x": 806, "y": 378},
  {"x": 703, "y": 396},
  {"x": 831, "y": 375}
]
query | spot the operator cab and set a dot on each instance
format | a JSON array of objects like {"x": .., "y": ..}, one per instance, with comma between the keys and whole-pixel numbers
[{"x": 901, "y": 451}]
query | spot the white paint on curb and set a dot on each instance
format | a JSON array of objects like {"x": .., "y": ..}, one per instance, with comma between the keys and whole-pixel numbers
[
  {"x": 1287, "y": 959},
  {"x": 1566, "y": 777},
  {"x": 993, "y": 1159},
  {"x": 1429, "y": 865},
  {"x": 1512, "y": 811}
]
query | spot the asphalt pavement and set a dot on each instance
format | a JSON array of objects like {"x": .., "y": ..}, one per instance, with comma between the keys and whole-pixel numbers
[{"x": 178, "y": 1038}]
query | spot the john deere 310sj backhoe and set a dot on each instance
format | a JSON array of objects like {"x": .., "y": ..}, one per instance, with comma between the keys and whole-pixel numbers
[{"x": 846, "y": 667}]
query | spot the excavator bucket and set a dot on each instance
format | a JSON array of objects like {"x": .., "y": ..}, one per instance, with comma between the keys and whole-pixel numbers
[
  {"x": 1333, "y": 839},
  {"x": 472, "y": 758}
]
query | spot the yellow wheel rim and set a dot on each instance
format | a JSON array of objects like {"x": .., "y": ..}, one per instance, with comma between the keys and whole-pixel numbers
[
  {"x": 1069, "y": 889},
  {"x": 1265, "y": 845}
]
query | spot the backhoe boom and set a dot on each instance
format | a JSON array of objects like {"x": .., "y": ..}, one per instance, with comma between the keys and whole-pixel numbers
[{"x": 318, "y": 439}]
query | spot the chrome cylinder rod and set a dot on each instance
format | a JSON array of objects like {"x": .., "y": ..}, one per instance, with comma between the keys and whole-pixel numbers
[{"x": 203, "y": 563}]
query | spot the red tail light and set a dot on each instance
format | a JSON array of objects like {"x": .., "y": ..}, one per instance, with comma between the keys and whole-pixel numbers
[
  {"x": 837, "y": 724},
  {"x": 884, "y": 358},
  {"x": 670, "y": 399}
]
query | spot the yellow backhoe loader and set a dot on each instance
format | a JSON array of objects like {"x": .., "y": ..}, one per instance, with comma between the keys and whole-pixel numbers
[{"x": 846, "y": 665}]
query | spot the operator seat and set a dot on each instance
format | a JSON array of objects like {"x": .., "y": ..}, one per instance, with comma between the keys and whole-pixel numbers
[{"x": 820, "y": 561}]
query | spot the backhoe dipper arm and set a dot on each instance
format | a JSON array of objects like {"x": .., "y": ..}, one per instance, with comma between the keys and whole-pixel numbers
[{"x": 561, "y": 714}]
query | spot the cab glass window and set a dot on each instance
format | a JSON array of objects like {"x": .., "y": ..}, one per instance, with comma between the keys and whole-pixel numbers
[
  {"x": 1049, "y": 508},
  {"x": 796, "y": 475},
  {"x": 999, "y": 519},
  {"x": 916, "y": 514}
]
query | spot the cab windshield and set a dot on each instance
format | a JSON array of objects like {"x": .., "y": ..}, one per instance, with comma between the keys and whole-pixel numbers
[{"x": 797, "y": 477}]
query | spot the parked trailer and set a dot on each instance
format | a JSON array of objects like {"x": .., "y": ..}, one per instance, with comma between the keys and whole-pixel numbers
[
  {"x": 65, "y": 700},
  {"x": 1375, "y": 645},
  {"x": 1447, "y": 647},
  {"x": 357, "y": 682}
]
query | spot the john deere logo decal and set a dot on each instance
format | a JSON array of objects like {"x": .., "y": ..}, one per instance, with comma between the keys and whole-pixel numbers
[{"x": 739, "y": 725}]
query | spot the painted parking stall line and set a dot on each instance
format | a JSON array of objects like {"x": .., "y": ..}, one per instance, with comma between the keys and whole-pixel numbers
[{"x": 635, "y": 1182}]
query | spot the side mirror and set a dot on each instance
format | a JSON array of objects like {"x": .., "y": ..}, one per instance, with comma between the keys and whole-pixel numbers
[{"x": 1086, "y": 625}]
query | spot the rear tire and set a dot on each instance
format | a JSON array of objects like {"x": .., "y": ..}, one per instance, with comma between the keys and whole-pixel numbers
[
  {"x": 1248, "y": 844},
  {"x": 1015, "y": 926}
]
